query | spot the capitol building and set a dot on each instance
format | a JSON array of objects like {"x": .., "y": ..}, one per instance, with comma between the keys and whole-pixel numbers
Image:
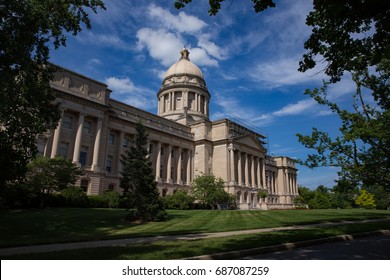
[{"x": 95, "y": 130}]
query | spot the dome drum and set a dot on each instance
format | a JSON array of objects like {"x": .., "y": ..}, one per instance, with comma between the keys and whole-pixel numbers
[{"x": 183, "y": 92}]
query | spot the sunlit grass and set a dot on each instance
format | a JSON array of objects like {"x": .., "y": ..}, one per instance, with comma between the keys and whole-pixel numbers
[{"x": 57, "y": 225}]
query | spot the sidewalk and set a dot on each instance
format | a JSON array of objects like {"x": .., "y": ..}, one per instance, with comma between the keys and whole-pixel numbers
[{"x": 137, "y": 240}]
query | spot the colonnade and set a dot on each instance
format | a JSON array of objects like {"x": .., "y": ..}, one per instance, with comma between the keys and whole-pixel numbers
[
  {"x": 246, "y": 170},
  {"x": 78, "y": 139},
  {"x": 200, "y": 102},
  {"x": 175, "y": 157}
]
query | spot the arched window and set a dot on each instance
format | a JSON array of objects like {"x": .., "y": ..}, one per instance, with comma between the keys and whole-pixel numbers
[{"x": 84, "y": 185}]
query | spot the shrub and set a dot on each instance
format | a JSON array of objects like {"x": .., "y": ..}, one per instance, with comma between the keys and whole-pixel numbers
[
  {"x": 180, "y": 200},
  {"x": 75, "y": 197}
]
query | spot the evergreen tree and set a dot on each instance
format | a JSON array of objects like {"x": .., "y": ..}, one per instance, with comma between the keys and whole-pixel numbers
[{"x": 138, "y": 180}]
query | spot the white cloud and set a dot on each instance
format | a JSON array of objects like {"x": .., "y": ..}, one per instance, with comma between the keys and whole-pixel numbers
[
  {"x": 181, "y": 22},
  {"x": 283, "y": 72},
  {"x": 104, "y": 40},
  {"x": 295, "y": 108},
  {"x": 124, "y": 90},
  {"x": 199, "y": 57},
  {"x": 120, "y": 85},
  {"x": 162, "y": 45}
]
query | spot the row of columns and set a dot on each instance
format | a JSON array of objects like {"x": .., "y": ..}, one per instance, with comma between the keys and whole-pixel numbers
[
  {"x": 271, "y": 182},
  {"x": 254, "y": 168},
  {"x": 200, "y": 102},
  {"x": 168, "y": 176},
  {"x": 77, "y": 140},
  {"x": 291, "y": 183}
]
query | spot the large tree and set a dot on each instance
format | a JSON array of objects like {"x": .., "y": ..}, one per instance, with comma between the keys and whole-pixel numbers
[
  {"x": 28, "y": 28},
  {"x": 138, "y": 180},
  {"x": 349, "y": 36}
]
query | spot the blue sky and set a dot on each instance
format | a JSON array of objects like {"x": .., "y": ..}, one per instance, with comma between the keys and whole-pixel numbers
[{"x": 249, "y": 62}]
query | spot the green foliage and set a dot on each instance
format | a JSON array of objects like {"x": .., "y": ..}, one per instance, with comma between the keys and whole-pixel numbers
[
  {"x": 137, "y": 177},
  {"x": 365, "y": 200},
  {"x": 320, "y": 201},
  {"x": 51, "y": 174},
  {"x": 112, "y": 199},
  {"x": 74, "y": 197},
  {"x": 27, "y": 108},
  {"x": 180, "y": 200},
  {"x": 215, "y": 5},
  {"x": 210, "y": 191}
]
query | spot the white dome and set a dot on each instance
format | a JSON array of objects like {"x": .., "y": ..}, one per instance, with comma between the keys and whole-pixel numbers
[{"x": 184, "y": 67}]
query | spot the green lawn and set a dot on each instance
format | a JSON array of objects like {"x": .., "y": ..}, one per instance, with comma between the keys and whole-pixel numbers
[
  {"x": 28, "y": 227},
  {"x": 182, "y": 249}
]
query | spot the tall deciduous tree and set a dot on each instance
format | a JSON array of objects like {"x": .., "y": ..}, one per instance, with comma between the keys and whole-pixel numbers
[
  {"x": 350, "y": 36},
  {"x": 27, "y": 108},
  {"x": 138, "y": 179},
  {"x": 210, "y": 190}
]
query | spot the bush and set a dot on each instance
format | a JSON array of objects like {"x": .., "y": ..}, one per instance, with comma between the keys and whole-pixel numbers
[
  {"x": 75, "y": 197},
  {"x": 180, "y": 200},
  {"x": 112, "y": 199}
]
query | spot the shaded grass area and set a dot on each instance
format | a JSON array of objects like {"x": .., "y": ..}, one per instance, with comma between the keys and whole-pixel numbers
[
  {"x": 183, "y": 249},
  {"x": 58, "y": 225}
]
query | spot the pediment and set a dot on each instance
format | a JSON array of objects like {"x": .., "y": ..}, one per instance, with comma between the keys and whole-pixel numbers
[{"x": 251, "y": 141}]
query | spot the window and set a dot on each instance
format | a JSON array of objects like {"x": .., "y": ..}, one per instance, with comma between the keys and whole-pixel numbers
[
  {"x": 41, "y": 146},
  {"x": 84, "y": 185},
  {"x": 111, "y": 138},
  {"x": 150, "y": 148},
  {"x": 63, "y": 151},
  {"x": 164, "y": 192},
  {"x": 87, "y": 127},
  {"x": 126, "y": 142},
  {"x": 111, "y": 187},
  {"x": 67, "y": 122},
  {"x": 83, "y": 156},
  {"x": 162, "y": 151},
  {"x": 109, "y": 163},
  {"x": 173, "y": 153}
]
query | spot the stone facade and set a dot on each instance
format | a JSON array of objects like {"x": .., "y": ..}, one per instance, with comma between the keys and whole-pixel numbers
[{"x": 95, "y": 130}]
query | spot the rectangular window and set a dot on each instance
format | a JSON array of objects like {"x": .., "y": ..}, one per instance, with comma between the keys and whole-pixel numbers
[
  {"x": 109, "y": 163},
  {"x": 150, "y": 148},
  {"x": 41, "y": 146},
  {"x": 63, "y": 150},
  {"x": 111, "y": 139},
  {"x": 83, "y": 156},
  {"x": 126, "y": 142},
  {"x": 67, "y": 122},
  {"x": 162, "y": 151},
  {"x": 87, "y": 127}
]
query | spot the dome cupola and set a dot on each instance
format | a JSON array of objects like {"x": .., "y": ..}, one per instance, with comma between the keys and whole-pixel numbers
[{"x": 183, "y": 95}]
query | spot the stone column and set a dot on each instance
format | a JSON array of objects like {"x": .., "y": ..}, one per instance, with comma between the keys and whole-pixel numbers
[
  {"x": 239, "y": 169},
  {"x": 263, "y": 173},
  {"x": 258, "y": 171},
  {"x": 232, "y": 174},
  {"x": 56, "y": 136},
  {"x": 158, "y": 162},
  {"x": 96, "y": 146},
  {"x": 179, "y": 180},
  {"x": 188, "y": 168},
  {"x": 77, "y": 143},
  {"x": 246, "y": 170},
  {"x": 253, "y": 175},
  {"x": 169, "y": 165}
]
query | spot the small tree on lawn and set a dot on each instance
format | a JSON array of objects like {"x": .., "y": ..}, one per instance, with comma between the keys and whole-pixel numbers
[
  {"x": 210, "y": 191},
  {"x": 47, "y": 175},
  {"x": 365, "y": 200},
  {"x": 137, "y": 178}
]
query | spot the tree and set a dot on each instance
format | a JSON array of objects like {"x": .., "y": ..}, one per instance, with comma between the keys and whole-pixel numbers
[
  {"x": 137, "y": 178},
  {"x": 349, "y": 36},
  {"x": 215, "y": 5},
  {"x": 47, "y": 175},
  {"x": 366, "y": 200},
  {"x": 180, "y": 200},
  {"x": 27, "y": 108},
  {"x": 210, "y": 191}
]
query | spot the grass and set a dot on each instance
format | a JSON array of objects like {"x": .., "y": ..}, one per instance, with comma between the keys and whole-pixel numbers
[
  {"x": 182, "y": 249},
  {"x": 58, "y": 225}
]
